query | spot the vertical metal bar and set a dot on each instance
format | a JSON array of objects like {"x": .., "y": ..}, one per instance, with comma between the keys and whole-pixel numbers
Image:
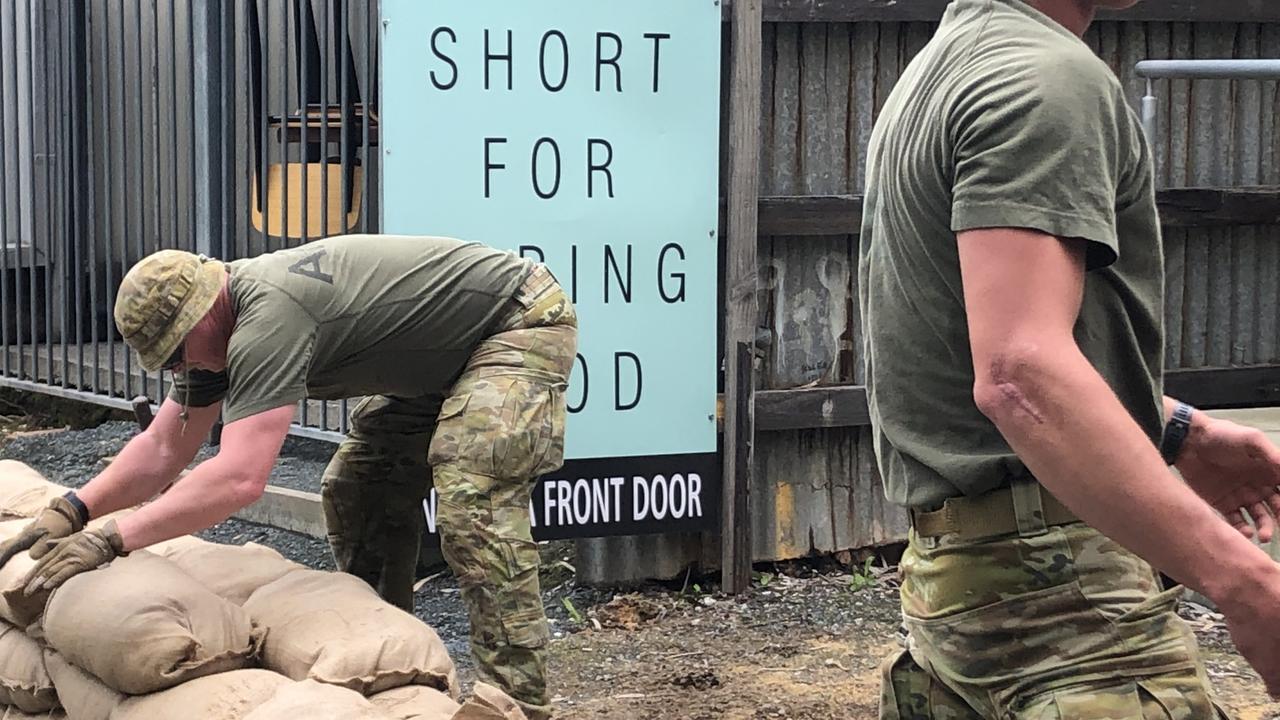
[
  {"x": 90, "y": 189},
  {"x": 344, "y": 99},
  {"x": 124, "y": 182},
  {"x": 31, "y": 188},
  {"x": 82, "y": 227},
  {"x": 52, "y": 156},
  {"x": 64, "y": 145},
  {"x": 324, "y": 154},
  {"x": 173, "y": 122},
  {"x": 108, "y": 164},
  {"x": 264, "y": 77},
  {"x": 4, "y": 189},
  {"x": 156, "y": 156},
  {"x": 283, "y": 135},
  {"x": 140, "y": 197},
  {"x": 191, "y": 77},
  {"x": 369, "y": 95}
]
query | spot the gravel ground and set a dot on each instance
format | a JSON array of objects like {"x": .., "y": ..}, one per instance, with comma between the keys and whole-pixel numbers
[{"x": 805, "y": 643}]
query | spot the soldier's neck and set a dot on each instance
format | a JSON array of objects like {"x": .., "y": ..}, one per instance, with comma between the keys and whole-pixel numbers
[{"x": 1074, "y": 15}]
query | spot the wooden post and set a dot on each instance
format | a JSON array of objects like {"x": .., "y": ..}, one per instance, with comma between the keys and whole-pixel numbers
[{"x": 741, "y": 305}]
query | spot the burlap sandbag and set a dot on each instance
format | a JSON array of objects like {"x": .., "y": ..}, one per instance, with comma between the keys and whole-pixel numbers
[
  {"x": 82, "y": 695},
  {"x": 415, "y": 702},
  {"x": 316, "y": 701},
  {"x": 334, "y": 628},
  {"x": 141, "y": 625},
  {"x": 15, "y": 608},
  {"x": 225, "y": 696},
  {"x": 232, "y": 572},
  {"x": 14, "y": 713},
  {"x": 23, "y": 491},
  {"x": 489, "y": 703},
  {"x": 24, "y": 682}
]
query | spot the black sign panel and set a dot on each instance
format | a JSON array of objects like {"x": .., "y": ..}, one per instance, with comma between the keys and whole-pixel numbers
[{"x": 619, "y": 496}]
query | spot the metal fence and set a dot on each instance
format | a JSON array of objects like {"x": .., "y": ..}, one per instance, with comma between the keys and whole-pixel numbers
[{"x": 223, "y": 127}]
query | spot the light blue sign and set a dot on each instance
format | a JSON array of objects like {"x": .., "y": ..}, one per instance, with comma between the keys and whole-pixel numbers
[{"x": 584, "y": 133}]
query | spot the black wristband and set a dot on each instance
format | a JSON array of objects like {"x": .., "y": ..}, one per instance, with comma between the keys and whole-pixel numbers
[
  {"x": 78, "y": 504},
  {"x": 1175, "y": 432}
]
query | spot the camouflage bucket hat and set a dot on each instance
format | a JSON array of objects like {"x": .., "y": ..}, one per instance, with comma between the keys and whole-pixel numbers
[{"x": 162, "y": 298}]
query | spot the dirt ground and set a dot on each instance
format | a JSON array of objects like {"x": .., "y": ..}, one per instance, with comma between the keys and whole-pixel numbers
[{"x": 804, "y": 643}]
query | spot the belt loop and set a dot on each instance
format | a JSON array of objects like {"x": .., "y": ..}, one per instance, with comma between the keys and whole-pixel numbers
[{"x": 1028, "y": 508}]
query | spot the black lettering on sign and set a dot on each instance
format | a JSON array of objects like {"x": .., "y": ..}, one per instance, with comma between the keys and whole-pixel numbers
[
  {"x": 586, "y": 386},
  {"x": 573, "y": 272},
  {"x": 489, "y": 164},
  {"x": 657, "y": 38},
  {"x": 601, "y": 61},
  {"x": 662, "y": 286},
  {"x": 609, "y": 260},
  {"x": 555, "y": 186},
  {"x": 542, "y": 60},
  {"x": 506, "y": 57},
  {"x": 435, "y": 49},
  {"x": 593, "y": 167},
  {"x": 309, "y": 266},
  {"x": 527, "y": 251},
  {"x": 617, "y": 381}
]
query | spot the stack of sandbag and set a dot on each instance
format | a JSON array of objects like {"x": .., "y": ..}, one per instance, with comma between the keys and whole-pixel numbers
[{"x": 192, "y": 629}]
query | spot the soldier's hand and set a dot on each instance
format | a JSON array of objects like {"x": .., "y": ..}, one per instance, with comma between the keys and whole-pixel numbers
[
  {"x": 1236, "y": 469},
  {"x": 60, "y": 519},
  {"x": 1253, "y": 618},
  {"x": 84, "y": 551}
]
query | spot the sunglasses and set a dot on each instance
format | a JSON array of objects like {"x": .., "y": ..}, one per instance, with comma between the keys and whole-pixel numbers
[{"x": 175, "y": 359}]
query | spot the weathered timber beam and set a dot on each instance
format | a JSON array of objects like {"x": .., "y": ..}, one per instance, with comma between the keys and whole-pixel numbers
[
  {"x": 1223, "y": 388},
  {"x": 846, "y": 405},
  {"x": 837, "y": 406},
  {"x": 931, "y": 11},
  {"x": 1179, "y": 207}
]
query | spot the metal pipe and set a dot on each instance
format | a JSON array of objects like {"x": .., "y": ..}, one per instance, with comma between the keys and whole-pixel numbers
[{"x": 1260, "y": 69}]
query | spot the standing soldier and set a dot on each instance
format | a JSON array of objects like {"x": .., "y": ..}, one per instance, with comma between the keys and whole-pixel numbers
[
  {"x": 1011, "y": 276},
  {"x": 461, "y": 354}
]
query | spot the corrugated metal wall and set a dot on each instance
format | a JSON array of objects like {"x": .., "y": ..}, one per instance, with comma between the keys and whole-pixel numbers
[{"x": 824, "y": 83}]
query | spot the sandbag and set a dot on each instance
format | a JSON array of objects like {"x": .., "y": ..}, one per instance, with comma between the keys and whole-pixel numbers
[
  {"x": 232, "y": 572},
  {"x": 225, "y": 696},
  {"x": 82, "y": 695},
  {"x": 141, "y": 625},
  {"x": 14, "y": 713},
  {"x": 415, "y": 702},
  {"x": 332, "y": 627},
  {"x": 16, "y": 609},
  {"x": 316, "y": 701},
  {"x": 24, "y": 682},
  {"x": 23, "y": 491},
  {"x": 489, "y": 703}
]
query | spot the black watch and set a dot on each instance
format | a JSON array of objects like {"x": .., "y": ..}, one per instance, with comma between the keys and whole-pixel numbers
[{"x": 1175, "y": 433}]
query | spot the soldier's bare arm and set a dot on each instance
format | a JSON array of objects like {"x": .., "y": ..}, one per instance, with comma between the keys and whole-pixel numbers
[
  {"x": 151, "y": 460},
  {"x": 1022, "y": 291},
  {"x": 235, "y": 478}
]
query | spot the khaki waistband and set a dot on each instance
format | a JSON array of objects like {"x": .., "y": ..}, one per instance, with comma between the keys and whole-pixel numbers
[
  {"x": 539, "y": 301},
  {"x": 994, "y": 514}
]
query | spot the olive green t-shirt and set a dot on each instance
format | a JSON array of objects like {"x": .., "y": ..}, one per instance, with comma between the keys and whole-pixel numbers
[
  {"x": 1005, "y": 119},
  {"x": 355, "y": 315}
]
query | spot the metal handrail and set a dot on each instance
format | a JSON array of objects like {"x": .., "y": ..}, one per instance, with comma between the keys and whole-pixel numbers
[{"x": 1260, "y": 69}]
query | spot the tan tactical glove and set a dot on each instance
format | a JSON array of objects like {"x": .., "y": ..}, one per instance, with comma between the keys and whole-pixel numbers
[
  {"x": 55, "y": 522},
  {"x": 70, "y": 556}
]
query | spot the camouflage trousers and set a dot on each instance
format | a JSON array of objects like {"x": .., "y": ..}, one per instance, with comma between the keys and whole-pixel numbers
[
  {"x": 482, "y": 446},
  {"x": 1064, "y": 625}
]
